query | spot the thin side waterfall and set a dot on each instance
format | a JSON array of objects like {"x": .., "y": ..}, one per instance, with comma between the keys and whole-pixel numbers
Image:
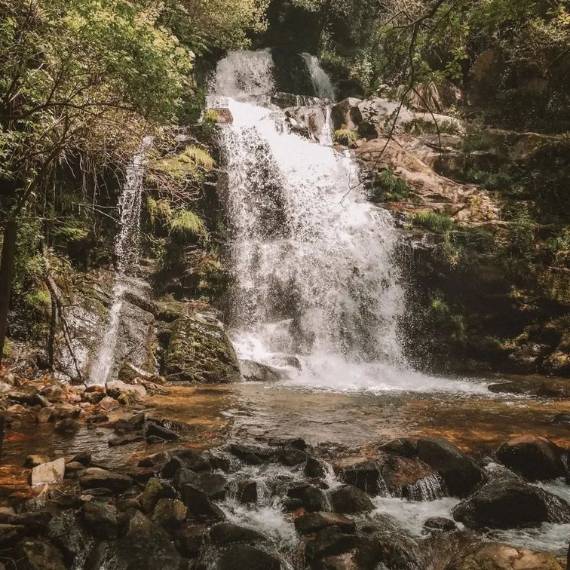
[
  {"x": 321, "y": 81},
  {"x": 317, "y": 292},
  {"x": 127, "y": 255}
]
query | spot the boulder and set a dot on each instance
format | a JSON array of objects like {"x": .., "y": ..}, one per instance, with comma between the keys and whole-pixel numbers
[
  {"x": 440, "y": 524},
  {"x": 101, "y": 519},
  {"x": 11, "y": 533},
  {"x": 365, "y": 475},
  {"x": 153, "y": 429},
  {"x": 155, "y": 489},
  {"x": 200, "y": 351},
  {"x": 244, "y": 556},
  {"x": 35, "y": 460},
  {"x": 490, "y": 556},
  {"x": 147, "y": 546},
  {"x": 169, "y": 513},
  {"x": 330, "y": 541},
  {"x": 350, "y": 499},
  {"x": 535, "y": 458},
  {"x": 313, "y": 522},
  {"x": 314, "y": 468},
  {"x": 312, "y": 498},
  {"x": 190, "y": 540},
  {"x": 116, "y": 388},
  {"x": 247, "y": 491},
  {"x": 252, "y": 454},
  {"x": 256, "y": 372},
  {"x": 37, "y": 554},
  {"x": 68, "y": 534},
  {"x": 49, "y": 473},
  {"x": 226, "y": 533},
  {"x": 199, "y": 504},
  {"x": 213, "y": 485},
  {"x": 95, "y": 477},
  {"x": 511, "y": 503}
]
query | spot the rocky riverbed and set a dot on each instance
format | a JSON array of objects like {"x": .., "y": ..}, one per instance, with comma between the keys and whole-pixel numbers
[{"x": 147, "y": 475}]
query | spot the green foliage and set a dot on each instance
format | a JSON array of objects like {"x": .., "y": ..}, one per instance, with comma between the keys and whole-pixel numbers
[
  {"x": 421, "y": 126},
  {"x": 192, "y": 162},
  {"x": 186, "y": 225},
  {"x": 434, "y": 222},
  {"x": 389, "y": 188},
  {"x": 71, "y": 232},
  {"x": 522, "y": 228},
  {"x": 559, "y": 248},
  {"x": 345, "y": 137}
]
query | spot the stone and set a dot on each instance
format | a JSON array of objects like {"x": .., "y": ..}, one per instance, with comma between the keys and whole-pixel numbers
[
  {"x": 101, "y": 519},
  {"x": 256, "y": 372},
  {"x": 190, "y": 540},
  {"x": 153, "y": 429},
  {"x": 535, "y": 458},
  {"x": 225, "y": 533},
  {"x": 37, "y": 554},
  {"x": 247, "y": 492},
  {"x": 69, "y": 535},
  {"x": 244, "y": 556},
  {"x": 11, "y": 533},
  {"x": 94, "y": 477},
  {"x": 126, "y": 439},
  {"x": 350, "y": 499},
  {"x": 169, "y": 513},
  {"x": 314, "y": 468},
  {"x": 510, "y": 503},
  {"x": 67, "y": 426},
  {"x": 330, "y": 541},
  {"x": 199, "y": 504},
  {"x": 312, "y": 498},
  {"x": 155, "y": 489},
  {"x": 313, "y": 522},
  {"x": 72, "y": 468},
  {"x": 35, "y": 521},
  {"x": 35, "y": 460},
  {"x": 147, "y": 546},
  {"x": 291, "y": 457},
  {"x": 490, "y": 556},
  {"x": 213, "y": 485},
  {"x": 252, "y": 454},
  {"x": 200, "y": 351},
  {"x": 107, "y": 404},
  {"x": 83, "y": 457},
  {"x": 116, "y": 388},
  {"x": 49, "y": 473},
  {"x": 365, "y": 475},
  {"x": 441, "y": 524}
]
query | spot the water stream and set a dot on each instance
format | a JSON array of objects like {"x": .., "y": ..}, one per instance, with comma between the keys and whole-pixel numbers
[{"x": 126, "y": 254}]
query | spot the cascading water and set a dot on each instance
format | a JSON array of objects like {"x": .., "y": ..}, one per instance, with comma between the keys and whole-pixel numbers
[
  {"x": 316, "y": 283},
  {"x": 126, "y": 253},
  {"x": 321, "y": 81}
]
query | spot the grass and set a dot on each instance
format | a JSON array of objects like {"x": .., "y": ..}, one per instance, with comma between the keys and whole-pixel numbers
[
  {"x": 191, "y": 162},
  {"x": 345, "y": 137},
  {"x": 434, "y": 222},
  {"x": 390, "y": 188},
  {"x": 186, "y": 224}
]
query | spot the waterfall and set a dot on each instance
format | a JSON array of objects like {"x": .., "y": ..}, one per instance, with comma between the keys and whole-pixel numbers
[
  {"x": 126, "y": 254},
  {"x": 321, "y": 81}
]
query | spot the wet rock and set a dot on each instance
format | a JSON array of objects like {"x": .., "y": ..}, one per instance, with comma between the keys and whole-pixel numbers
[
  {"x": 256, "y": 372},
  {"x": 169, "y": 513},
  {"x": 154, "y": 490},
  {"x": 147, "y": 546},
  {"x": 292, "y": 457},
  {"x": 37, "y": 554},
  {"x": 67, "y": 426},
  {"x": 35, "y": 460},
  {"x": 126, "y": 439},
  {"x": 245, "y": 556},
  {"x": 107, "y": 404},
  {"x": 439, "y": 524},
  {"x": 67, "y": 533},
  {"x": 73, "y": 468},
  {"x": 535, "y": 458},
  {"x": 504, "y": 557},
  {"x": 94, "y": 477},
  {"x": 403, "y": 475},
  {"x": 350, "y": 499},
  {"x": 247, "y": 492},
  {"x": 200, "y": 351},
  {"x": 199, "y": 504},
  {"x": 190, "y": 540},
  {"x": 313, "y": 522},
  {"x": 11, "y": 533},
  {"x": 508, "y": 388},
  {"x": 84, "y": 458},
  {"x": 252, "y": 454},
  {"x": 157, "y": 460},
  {"x": 330, "y": 541},
  {"x": 117, "y": 388},
  {"x": 101, "y": 519},
  {"x": 185, "y": 458},
  {"x": 561, "y": 419},
  {"x": 213, "y": 485},
  {"x": 312, "y": 498},
  {"x": 366, "y": 476},
  {"x": 153, "y": 429},
  {"x": 29, "y": 397},
  {"x": 48, "y": 473},
  {"x": 389, "y": 544},
  {"x": 510, "y": 503},
  {"x": 226, "y": 533},
  {"x": 35, "y": 521},
  {"x": 314, "y": 468}
]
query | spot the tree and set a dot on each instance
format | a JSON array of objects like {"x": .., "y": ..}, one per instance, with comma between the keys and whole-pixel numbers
[{"x": 75, "y": 75}]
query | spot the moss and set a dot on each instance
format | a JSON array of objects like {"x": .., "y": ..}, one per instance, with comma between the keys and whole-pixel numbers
[
  {"x": 345, "y": 137},
  {"x": 189, "y": 163},
  {"x": 186, "y": 224}
]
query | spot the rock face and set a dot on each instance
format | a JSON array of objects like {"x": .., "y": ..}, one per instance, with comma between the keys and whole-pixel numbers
[
  {"x": 535, "y": 458},
  {"x": 504, "y": 557},
  {"x": 200, "y": 351},
  {"x": 510, "y": 503}
]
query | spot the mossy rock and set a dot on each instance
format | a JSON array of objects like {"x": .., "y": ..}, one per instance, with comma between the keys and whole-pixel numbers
[{"x": 200, "y": 351}]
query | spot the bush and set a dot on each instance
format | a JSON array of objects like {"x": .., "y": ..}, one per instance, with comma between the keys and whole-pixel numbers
[
  {"x": 345, "y": 137},
  {"x": 186, "y": 225},
  {"x": 389, "y": 188}
]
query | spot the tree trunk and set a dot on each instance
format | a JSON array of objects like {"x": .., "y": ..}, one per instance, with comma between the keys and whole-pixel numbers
[{"x": 6, "y": 277}]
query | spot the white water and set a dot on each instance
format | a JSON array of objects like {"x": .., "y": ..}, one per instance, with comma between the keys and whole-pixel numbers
[
  {"x": 321, "y": 81},
  {"x": 313, "y": 260},
  {"x": 126, "y": 253}
]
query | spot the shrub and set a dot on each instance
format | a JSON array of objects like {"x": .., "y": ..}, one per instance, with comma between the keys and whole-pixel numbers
[
  {"x": 389, "y": 188},
  {"x": 186, "y": 225},
  {"x": 438, "y": 223},
  {"x": 345, "y": 137}
]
